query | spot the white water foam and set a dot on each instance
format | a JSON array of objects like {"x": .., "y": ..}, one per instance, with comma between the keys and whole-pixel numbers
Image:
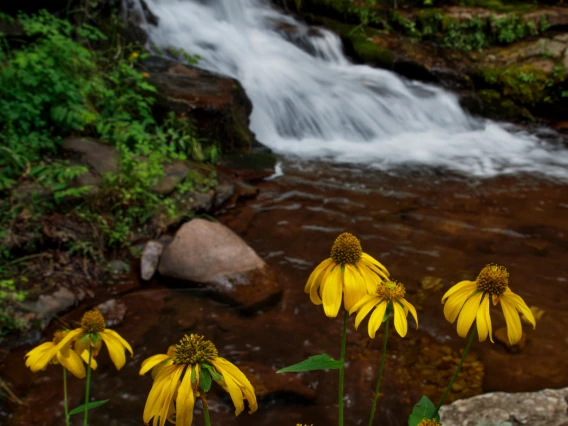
[{"x": 311, "y": 101}]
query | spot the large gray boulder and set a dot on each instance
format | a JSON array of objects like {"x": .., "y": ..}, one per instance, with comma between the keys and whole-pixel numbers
[
  {"x": 210, "y": 253},
  {"x": 548, "y": 407}
]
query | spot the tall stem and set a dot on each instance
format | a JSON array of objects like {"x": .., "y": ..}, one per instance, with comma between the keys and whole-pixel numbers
[
  {"x": 206, "y": 412},
  {"x": 449, "y": 388},
  {"x": 65, "y": 402},
  {"x": 383, "y": 356},
  {"x": 342, "y": 368},
  {"x": 88, "y": 385}
]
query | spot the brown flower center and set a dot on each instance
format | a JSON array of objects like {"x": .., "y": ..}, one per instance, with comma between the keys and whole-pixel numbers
[
  {"x": 194, "y": 349},
  {"x": 59, "y": 335},
  {"x": 493, "y": 279},
  {"x": 391, "y": 291},
  {"x": 346, "y": 249},
  {"x": 428, "y": 422},
  {"x": 93, "y": 322}
]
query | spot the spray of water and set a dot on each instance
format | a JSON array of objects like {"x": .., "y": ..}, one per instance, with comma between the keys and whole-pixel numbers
[{"x": 311, "y": 101}]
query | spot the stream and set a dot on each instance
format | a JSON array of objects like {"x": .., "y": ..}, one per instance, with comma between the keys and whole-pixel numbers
[{"x": 432, "y": 193}]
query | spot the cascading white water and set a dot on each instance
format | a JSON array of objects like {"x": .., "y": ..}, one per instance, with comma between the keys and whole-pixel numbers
[{"x": 311, "y": 101}]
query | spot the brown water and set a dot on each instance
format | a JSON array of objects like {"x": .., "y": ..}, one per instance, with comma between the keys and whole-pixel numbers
[{"x": 418, "y": 225}]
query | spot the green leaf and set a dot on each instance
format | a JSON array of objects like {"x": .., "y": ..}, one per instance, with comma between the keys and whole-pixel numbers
[
  {"x": 204, "y": 380},
  {"x": 90, "y": 405},
  {"x": 317, "y": 362},
  {"x": 424, "y": 409},
  {"x": 192, "y": 374},
  {"x": 212, "y": 372}
]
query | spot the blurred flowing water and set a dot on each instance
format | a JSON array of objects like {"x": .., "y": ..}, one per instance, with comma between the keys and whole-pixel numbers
[{"x": 311, "y": 101}]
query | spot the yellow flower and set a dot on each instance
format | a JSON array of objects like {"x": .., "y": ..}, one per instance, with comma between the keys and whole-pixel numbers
[
  {"x": 92, "y": 334},
  {"x": 469, "y": 300},
  {"x": 145, "y": 74},
  {"x": 133, "y": 56},
  {"x": 38, "y": 358},
  {"x": 177, "y": 381},
  {"x": 386, "y": 295},
  {"x": 428, "y": 422},
  {"x": 348, "y": 271}
]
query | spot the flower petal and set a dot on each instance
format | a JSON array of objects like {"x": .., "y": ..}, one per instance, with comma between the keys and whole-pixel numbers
[
  {"x": 372, "y": 279},
  {"x": 120, "y": 339},
  {"x": 151, "y": 362},
  {"x": 483, "y": 326},
  {"x": 161, "y": 394},
  {"x": 354, "y": 286},
  {"x": 72, "y": 362},
  {"x": 360, "y": 303},
  {"x": 318, "y": 284},
  {"x": 85, "y": 357},
  {"x": 455, "y": 303},
  {"x": 314, "y": 276},
  {"x": 411, "y": 309},
  {"x": 332, "y": 292},
  {"x": 372, "y": 301},
  {"x": 38, "y": 358},
  {"x": 378, "y": 266},
  {"x": 185, "y": 401},
  {"x": 462, "y": 285},
  {"x": 400, "y": 322},
  {"x": 514, "y": 328},
  {"x": 520, "y": 305},
  {"x": 228, "y": 369},
  {"x": 468, "y": 314},
  {"x": 115, "y": 349},
  {"x": 376, "y": 319}
]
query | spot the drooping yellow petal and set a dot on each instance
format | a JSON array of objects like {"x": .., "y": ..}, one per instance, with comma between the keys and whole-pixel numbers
[
  {"x": 72, "y": 362},
  {"x": 171, "y": 391},
  {"x": 482, "y": 315},
  {"x": 226, "y": 368},
  {"x": 161, "y": 394},
  {"x": 185, "y": 401},
  {"x": 462, "y": 285},
  {"x": 378, "y": 265},
  {"x": 468, "y": 314},
  {"x": 115, "y": 349},
  {"x": 520, "y": 305},
  {"x": 410, "y": 309},
  {"x": 372, "y": 301},
  {"x": 332, "y": 292},
  {"x": 85, "y": 357},
  {"x": 151, "y": 362},
  {"x": 314, "y": 276},
  {"x": 376, "y": 319},
  {"x": 455, "y": 303},
  {"x": 360, "y": 303},
  {"x": 354, "y": 286},
  {"x": 73, "y": 334},
  {"x": 318, "y": 284},
  {"x": 372, "y": 279},
  {"x": 514, "y": 328},
  {"x": 400, "y": 322},
  {"x": 120, "y": 339},
  {"x": 38, "y": 358}
]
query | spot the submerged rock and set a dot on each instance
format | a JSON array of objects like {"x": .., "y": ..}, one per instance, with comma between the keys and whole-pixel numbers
[
  {"x": 210, "y": 253},
  {"x": 544, "y": 408},
  {"x": 150, "y": 259},
  {"x": 113, "y": 310}
]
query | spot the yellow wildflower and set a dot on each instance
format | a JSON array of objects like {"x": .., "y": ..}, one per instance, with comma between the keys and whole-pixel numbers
[
  {"x": 348, "y": 271},
  {"x": 428, "y": 422},
  {"x": 38, "y": 358},
  {"x": 178, "y": 379},
  {"x": 92, "y": 334},
  {"x": 389, "y": 294},
  {"x": 469, "y": 300},
  {"x": 145, "y": 74}
]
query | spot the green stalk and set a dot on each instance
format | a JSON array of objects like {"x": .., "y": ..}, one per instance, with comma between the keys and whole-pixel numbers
[
  {"x": 342, "y": 368},
  {"x": 206, "y": 413},
  {"x": 449, "y": 388},
  {"x": 65, "y": 402},
  {"x": 383, "y": 356},
  {"x": 88, "y": 385}
]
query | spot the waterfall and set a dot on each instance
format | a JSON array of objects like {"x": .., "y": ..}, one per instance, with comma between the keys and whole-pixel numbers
[{"x": 310, "y": 101}]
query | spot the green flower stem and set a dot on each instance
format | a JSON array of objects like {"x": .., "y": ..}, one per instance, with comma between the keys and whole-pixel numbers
[
  {"x": 383, "y": 356},
  {"x": 472, "y": 335},
  {"x": 65, "y": 402},
  {"x": 206, "y": 413},
  {"x": 88, "y": 385},
  {"x": 342, "y": 368}
]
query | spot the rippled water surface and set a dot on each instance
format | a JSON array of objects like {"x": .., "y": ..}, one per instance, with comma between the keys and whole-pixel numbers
[{"x": 418, "y": 226}]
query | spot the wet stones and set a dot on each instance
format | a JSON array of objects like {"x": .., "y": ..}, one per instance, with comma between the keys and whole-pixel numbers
[
  {"x": 113, "y": 310},
  {"x": 544, "y": 408},
  {"x": 150, "y": 259},
  {"x": 211, "y": 254}
]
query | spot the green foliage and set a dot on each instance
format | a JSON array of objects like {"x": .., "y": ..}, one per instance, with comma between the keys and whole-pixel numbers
[
  {"x": 423, "y": 410},
  {"x": 10, "y": 298},
  {"x": 316, "y": 362},
  {"x": 53, "y": 86}
]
